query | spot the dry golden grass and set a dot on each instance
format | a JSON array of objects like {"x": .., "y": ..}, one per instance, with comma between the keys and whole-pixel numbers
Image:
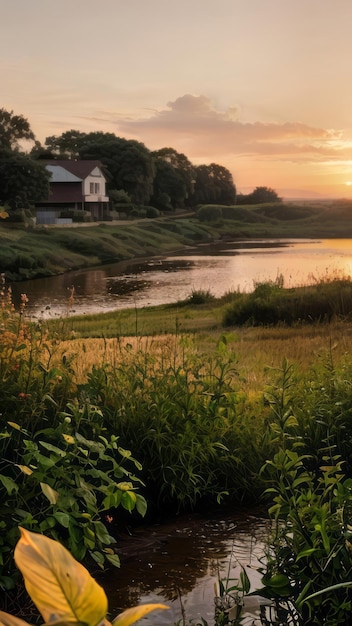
[
  {"x": 255, "y": 349},
  {"x": 89, "y": 352}
]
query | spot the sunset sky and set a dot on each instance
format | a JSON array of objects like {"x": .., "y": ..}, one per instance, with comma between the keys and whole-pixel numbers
[{"x": 263, "y": 87}]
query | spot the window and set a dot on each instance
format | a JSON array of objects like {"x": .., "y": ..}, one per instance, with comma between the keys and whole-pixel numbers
[{"x": 94, "y": 188}]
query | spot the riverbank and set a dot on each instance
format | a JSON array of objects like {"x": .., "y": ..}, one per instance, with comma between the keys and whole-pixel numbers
[
  {"x": 27, "y": 253},
  {"x": 33, "y": 253}
]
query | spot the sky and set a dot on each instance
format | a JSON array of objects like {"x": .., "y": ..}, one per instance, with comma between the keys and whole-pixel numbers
[{"x": 263, "y": 87}]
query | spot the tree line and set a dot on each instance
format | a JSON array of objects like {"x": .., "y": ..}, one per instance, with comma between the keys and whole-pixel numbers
[{"x": 164, "y": 179}]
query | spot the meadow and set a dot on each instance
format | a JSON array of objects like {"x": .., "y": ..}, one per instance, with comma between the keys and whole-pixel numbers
[{"x": 111, "y": 420}]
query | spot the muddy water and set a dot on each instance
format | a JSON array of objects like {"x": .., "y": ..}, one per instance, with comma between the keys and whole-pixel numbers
[{"x": 179, "y": 563}]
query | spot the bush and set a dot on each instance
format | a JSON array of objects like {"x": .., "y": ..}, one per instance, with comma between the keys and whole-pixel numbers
[
  {"x": 61, "y": 472},
  {"x": 271, "y": 304},
  {"x": 152, "y": 212},
  {"x": 311, "y": 497},
  {"x": 198, "y": 296},
  {"x": 76, "y": 215},
  {"x": 183, "y": 414},
  {"x": 209, "y": 213}
]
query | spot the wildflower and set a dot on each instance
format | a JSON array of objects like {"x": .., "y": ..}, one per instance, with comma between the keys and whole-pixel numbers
[
  {"x": 23, "y": 396},
  {"x": 24, "y": 300}
]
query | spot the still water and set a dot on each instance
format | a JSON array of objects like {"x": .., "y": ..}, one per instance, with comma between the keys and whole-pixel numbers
[
  {"x": 219, "y": 269},
  {"x": 179, "y": 563}
]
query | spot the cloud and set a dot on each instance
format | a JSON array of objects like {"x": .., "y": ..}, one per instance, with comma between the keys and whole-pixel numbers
[{"x": 193, "y": 125}]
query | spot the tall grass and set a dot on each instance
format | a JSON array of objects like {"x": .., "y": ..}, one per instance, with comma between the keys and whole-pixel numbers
[
  {"x": 184, "y": 413},
  {"x": 270, "y": 303}
]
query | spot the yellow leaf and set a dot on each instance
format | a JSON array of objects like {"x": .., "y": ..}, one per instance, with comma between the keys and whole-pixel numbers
[
  {"x": 25, "y": 469},
  {"x": 67, "y": 623},
  {"x": 69, "y": 438},
  {"x": 3, "y": 215},
  {"x": 10, "y": 620},
  {"x": 124, "y": 486},
  {"x": 50, "y": 493},
  {"x": 60, "y": 587},
  {"x": 135, "y": 613}
]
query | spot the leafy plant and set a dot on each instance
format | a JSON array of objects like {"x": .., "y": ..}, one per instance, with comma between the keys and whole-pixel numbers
[
  {"x": 183, "y": 413},
  {"x": 61, "y": 482},
  {"x": 310, "y": 546},
  {"x": 62, "y": 589},
  {"x": 229, "y": 597},
  {"x": 61, "y": 471}
]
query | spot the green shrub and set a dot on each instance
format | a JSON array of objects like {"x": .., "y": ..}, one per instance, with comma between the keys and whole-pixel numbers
[
  {"x": 198, "y": 296},
  {"x": 152, "y": 212},
  {"x": 271, "y": 304},
  {"x": 61, "y": 472},
  {"x": 311, "y": 493},
  {"x": 209, "y": 213},
  {"x": 183, "y": 413}
]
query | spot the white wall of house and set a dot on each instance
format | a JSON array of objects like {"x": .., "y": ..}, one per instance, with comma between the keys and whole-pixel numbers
[{"x": 94, "y": 187}]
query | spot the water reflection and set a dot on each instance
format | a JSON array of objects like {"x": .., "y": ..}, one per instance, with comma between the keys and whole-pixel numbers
[
  {"x": 182, "y": 561},
  {"x": 231, "y": 266}
]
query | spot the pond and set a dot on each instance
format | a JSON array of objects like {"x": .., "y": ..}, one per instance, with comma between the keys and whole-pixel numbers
[
  {"x": 227, "y": 267},
  {"x": 179, "y": 563}
]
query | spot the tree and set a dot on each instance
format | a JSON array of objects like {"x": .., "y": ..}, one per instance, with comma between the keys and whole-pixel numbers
[
  {"x": 182, "y": 167},
  {"x": 169, "y": 187},
  {"x": 13, "y": 129},
  {"x": 260, "y": 195},
  {"x": 120, "y": 201},
  {"x": 214, "y": 185},
  {"x": 23, "y": 181},
  {"x": 70, "y": 143}
]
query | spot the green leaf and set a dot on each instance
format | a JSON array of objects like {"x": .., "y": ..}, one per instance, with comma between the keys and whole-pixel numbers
[
  {"x": 51, "y": 448},
  {"x": 9, "y": 484},
  {"x": 306, "y": 552},
  {"x": 113, "y": 559},
  {"x": 128, "y": 500},
  {"x": 62, "y": 518},
  {"x": 60, "y": 587},
  {"x": 328, "y": 589},
  {"x": 246, "y": 585},
  {"x": 141, "y": 505},
  {"x": 102, "y": 533}
]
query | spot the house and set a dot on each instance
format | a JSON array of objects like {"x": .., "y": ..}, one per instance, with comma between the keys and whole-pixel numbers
[{"x": 75, "y": 187}]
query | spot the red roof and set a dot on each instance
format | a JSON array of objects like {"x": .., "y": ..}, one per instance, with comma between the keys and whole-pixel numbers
[{"x": 81, "y": 168}]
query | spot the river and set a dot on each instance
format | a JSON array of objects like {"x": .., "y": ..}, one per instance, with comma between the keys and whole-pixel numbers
[
  {"x": 179, "y": 563},
  {"x": 236, "y": 265}
]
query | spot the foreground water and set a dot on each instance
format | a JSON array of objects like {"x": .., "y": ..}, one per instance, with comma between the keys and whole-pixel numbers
[
  {"x": 219, "y": 269},
  {"x": 179, "y": 563}
]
